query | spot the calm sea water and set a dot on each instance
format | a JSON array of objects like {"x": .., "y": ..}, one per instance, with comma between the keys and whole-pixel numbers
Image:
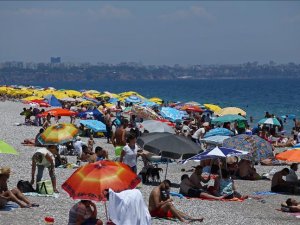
[{"x": 280, "y": 96}]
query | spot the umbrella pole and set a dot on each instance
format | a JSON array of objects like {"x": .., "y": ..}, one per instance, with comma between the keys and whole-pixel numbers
[
  {"x": 220, "y": 168},
  {"x": 167, "y": 169},
  {"x": 105, "y": 210}
]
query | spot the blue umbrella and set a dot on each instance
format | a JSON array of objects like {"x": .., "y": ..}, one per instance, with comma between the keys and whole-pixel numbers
[
  {"x": 218, "y": 131},
  {"x": 148, "y": 104},
  {"x": 215, "y": 140},
  {"x": 95, "y": 125},
  {"x": 217, "y": 152},
  {"x": 257, "y": 147},
  {"x": 113, "y": 100},
  {"x": 171, "y": 114},
  {"x": 133, "y": 99},
  {"x": 96, "y": 113},
  {"x": 227, "y": 118}
]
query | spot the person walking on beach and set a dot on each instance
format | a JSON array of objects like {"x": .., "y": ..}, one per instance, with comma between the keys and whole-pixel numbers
[
  {"x": 41, "y": 159},
  {"x": 160, "y": 204},
  {"x": 91, "y": 143},
  {"x": 108, "y": 123}
]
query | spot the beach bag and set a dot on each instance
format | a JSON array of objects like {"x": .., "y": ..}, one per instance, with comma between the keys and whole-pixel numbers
[
  {"x": 25, "y": 186},
  {"x": 45, "y": 187}
]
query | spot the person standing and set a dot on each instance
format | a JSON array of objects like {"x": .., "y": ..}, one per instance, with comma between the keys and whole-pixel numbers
[
  {"x": 108, "y": 123},
  {"x": 130, "y": 153},
  {"x": 41, "y": 159}
]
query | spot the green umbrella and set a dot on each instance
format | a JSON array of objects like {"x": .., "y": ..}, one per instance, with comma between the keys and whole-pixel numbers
[
  {"x": 227, "y": 118},
  {"x": 7, "y": 149},
  {"x": 270, "y": 121}
]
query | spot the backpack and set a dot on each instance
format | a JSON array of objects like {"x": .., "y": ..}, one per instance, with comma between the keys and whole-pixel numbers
[{"x": 25, "y": 186}]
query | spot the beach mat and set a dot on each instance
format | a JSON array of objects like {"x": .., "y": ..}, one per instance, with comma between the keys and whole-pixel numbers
[
  {"x": 9, "y": 207},
  {"x": 35, "y": 194},
  {"x": 265, "y": 193}
]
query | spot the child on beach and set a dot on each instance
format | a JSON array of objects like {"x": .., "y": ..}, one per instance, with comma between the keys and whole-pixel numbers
[{"x": 91, "y": 143}]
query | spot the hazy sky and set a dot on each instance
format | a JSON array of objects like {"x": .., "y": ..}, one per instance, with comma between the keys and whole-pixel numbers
[{"x": 154, "y": 32}]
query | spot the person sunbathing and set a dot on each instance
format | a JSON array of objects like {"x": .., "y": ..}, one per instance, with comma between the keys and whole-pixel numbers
[
  {"x": 35, "y": 141},
  {"x": 292, "y": 205},
  {"x": 160, "y": 204},
  {"x": 14, "y": 195},
  {"x": 284, "y": 143},
  {"x": 187, "y": 189}
]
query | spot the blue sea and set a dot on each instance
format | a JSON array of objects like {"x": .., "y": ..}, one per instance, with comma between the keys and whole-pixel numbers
[{"x": 278, "y": 96}]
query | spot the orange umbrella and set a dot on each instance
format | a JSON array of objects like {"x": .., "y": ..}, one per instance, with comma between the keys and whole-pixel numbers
[
  {"x": 292, "y": 155},
  {"x": 89, "y": 181},
  {"x": 58, "y": 112}
]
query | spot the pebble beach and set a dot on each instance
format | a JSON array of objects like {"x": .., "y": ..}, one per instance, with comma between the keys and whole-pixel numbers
[{"x": 251, "y": 211}]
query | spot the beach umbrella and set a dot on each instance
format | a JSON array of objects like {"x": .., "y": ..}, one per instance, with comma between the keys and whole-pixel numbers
[
  {"x": 95, "y": 125},
  {"x": 40, "y": 103},
  {"x": 218, "y": 131},
  {"x": 86, "y": 103},
  {"x": 30, "y": 98},
  {"x": 148, "y": 104},
  {"x": 292, "y": 155},
  {"x": 227, "y": 118},
  {"x": 217, "y": 152},
  {"x": 73, "y": 93},
  {"x": 171, "y": 114},
  {"x": 68, "y": 99},
  {"x": 269, "y": 121},
  {"x": 7, "y": 149},
  {"x": 257, "y": 147},
  {"x": 156, "y": 126},
  {"x": 133, "y": 99},
  {"x": 296, "y": 145},
  {"x": 58, "y": 134},
  {"x": 156, "y": 100},
  {"x": 215, "y": 140},
  {"x": 58, "y": 112},
  {"x": 167, "y": 145},
  {"x": 144, "y": 112},
  {"x": 192, "y": 108},
  {"x": 88, "y": 182},
  {"x": 212, "y": 107},
  {"x": 230, "y": 110}
]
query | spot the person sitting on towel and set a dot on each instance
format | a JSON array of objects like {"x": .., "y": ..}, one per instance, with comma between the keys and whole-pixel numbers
[
  {"x": 160, "y": 204},
  {"x": 188, "y": 189},
  {"x": 279, "y": 184}
]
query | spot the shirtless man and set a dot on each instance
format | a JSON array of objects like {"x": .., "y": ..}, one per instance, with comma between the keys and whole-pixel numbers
[
  {"x": 246, "y": 171},
  {"x": 119, "y": 137},
  {"x": 160, "y": 204},
  {"x": 293, "y": 205},
  {"x": 280, "y": 185}
]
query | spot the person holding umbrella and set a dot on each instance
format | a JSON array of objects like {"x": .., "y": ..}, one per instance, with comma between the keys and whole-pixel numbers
[{"x": 41, "y": 159}]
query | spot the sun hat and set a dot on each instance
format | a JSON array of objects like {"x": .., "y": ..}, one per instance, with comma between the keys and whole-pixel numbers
[{"x": 4, "y": 170}]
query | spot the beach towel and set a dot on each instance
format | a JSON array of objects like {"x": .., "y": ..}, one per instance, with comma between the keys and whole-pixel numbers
[
  {"x": 9, "y": 207},
  {"x": 35, "y": 194},
  {"x": 128, "y": 208},
  {"x": 222, "y": 200},
  {"x": 266, "y": 193}
]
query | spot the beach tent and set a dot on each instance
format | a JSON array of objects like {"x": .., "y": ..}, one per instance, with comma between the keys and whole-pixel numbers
[{"x": 52, "y": 100}]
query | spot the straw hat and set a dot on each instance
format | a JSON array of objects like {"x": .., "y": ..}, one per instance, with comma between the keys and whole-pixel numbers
[{"x": 4, "y": 171}]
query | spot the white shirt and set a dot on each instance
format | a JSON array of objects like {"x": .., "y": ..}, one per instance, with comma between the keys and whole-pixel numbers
[
  {"x": 130, "y": 155},
  {"x": 45, "y": 162},
  {"x": 292, "y": 176},
  {"x": 78, "y": 147},
  {"x": 198, "y": 133}
]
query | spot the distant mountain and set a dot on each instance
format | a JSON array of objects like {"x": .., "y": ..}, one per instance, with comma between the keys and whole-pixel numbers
[{"x": 16, "y": 72}]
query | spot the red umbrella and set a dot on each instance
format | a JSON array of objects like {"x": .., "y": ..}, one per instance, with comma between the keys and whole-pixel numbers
[
  {"x": 89, "y": 181},
  {"x": 41, "y": 103},
  {"x": 58, "y": 112}
]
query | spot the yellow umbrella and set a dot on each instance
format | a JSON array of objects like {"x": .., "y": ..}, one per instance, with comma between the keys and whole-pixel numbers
[
  {"x": 231, "y": 110},
  {"x": 212, "y": 107},
  {"x": 73, "y": 93},
  {"x": 156, "y": 100},
  {"x": 31, "y": 98},
  {"x": 86, "y": 103}
]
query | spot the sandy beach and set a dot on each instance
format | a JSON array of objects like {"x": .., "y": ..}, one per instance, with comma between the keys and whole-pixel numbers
[{"x": 250, "y": 211}]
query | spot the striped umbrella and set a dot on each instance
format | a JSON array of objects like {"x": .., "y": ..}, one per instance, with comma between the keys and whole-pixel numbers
[
  {"x": 58, "y": 134},
  {"x": 269, "y": 121}
]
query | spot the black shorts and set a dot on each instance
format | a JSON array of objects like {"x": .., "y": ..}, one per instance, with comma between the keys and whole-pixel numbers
[{"x": 194, "y": 193}]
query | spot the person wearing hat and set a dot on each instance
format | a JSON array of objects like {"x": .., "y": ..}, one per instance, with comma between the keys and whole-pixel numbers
[
  {"x": 14, "y": 195},
  {"x": 41, "y": 159}
]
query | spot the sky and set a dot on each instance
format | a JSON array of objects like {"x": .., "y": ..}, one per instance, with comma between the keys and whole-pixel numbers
[{"x": 151, "y": 32}]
